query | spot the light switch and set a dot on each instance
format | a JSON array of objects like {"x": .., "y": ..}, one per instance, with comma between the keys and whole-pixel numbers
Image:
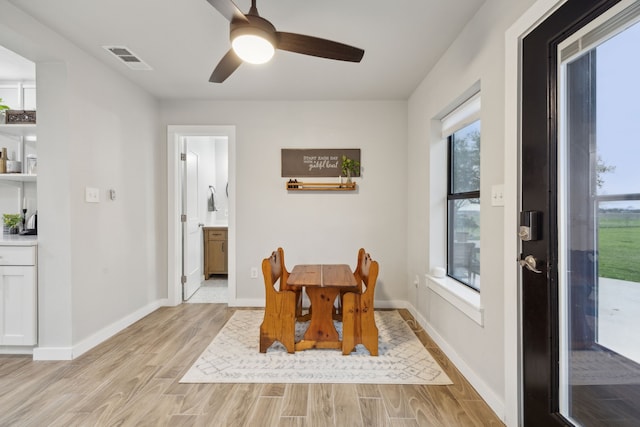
[
  {"x": 92, "y": 195},
  {"x": 497, "y": 195}
]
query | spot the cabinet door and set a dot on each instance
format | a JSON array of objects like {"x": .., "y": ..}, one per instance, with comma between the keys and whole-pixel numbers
[
  {"x": 217, "y": 256},
  {"x": 18, "y": 305},
  {"x": 215, "y": 251}
]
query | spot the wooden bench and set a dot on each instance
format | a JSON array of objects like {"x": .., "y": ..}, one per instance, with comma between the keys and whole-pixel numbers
[
  {"x": 358, "y": 320},
  {"x": 279, "y": 322}
]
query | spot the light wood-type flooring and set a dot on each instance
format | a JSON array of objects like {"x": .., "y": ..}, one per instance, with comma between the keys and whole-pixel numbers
[{"x": 132, "y": 379}]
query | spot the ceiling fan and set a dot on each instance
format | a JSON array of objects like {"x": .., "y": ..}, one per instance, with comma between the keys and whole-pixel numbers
[{"x": 254, "y": 40}]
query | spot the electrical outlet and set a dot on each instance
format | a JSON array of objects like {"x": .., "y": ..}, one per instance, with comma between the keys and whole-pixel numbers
[
  {"x": 254, "y": 273},
  {"x": 92, "y": 195}
]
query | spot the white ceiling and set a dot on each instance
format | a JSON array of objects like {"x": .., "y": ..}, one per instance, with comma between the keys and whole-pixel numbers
[{"x": 184, "y": 40}]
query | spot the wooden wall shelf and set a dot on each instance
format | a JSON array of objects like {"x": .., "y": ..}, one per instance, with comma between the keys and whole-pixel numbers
[{"x": 320, "y": 186}]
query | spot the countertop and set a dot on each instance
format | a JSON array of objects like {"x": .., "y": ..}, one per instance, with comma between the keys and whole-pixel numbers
[{"x": 18, "y": 240}]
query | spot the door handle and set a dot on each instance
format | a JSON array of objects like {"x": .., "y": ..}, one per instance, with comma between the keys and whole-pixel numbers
[{"x": 530, "y": 263}]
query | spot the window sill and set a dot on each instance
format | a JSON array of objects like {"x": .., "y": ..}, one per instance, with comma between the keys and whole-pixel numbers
[{"x": 460, "y": 296}]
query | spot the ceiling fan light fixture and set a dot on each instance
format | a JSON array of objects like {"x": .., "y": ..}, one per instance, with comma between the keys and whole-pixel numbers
[
  {"x": 253, "y": 49},
  {"x": 253, "y": 45},
  {"x": 254, "y": 40}
]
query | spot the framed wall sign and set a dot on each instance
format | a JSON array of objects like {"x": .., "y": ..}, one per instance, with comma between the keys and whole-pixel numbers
[{"x": 316, "y": 162}]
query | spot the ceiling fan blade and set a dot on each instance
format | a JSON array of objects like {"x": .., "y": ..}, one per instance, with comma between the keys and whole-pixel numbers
[
  {"x": 228, "y": 9},
  {"x": 314, "y": 46},
  {"x": 225, "y": 67}
]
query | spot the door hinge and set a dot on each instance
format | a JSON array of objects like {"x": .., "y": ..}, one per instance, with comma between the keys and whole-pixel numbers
[
  {"x": 183, "y": 156},
  {"x": 183, "y": 218},
  {"x": 183, "y": 279}
]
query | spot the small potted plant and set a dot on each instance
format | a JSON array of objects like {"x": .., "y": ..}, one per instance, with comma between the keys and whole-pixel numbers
[
  {"x": 2, "y": 110},
  {"x": 12, "y": 222},
  {"x": 349, "y": 167}
]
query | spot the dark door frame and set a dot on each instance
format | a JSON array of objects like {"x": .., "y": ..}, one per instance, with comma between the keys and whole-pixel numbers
[{"x": 535, "y": 15}]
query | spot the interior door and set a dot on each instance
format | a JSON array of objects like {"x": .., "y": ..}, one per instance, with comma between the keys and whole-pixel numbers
[
  {"x": 580, "y": 225},
  {"x": 192, "y": 234}
]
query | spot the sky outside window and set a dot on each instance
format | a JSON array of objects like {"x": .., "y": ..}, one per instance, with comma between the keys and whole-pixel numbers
[{"x": 618, "y": 112}]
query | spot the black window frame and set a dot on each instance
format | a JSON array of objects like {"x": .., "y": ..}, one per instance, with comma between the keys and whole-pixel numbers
[{"x": 456, "y": 196}]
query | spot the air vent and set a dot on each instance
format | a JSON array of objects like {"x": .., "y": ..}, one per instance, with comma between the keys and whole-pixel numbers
[{"x": 129, "y": 58}]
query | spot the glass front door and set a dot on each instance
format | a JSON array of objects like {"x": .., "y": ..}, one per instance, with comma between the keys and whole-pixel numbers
[{"x": 599, "y": 220}]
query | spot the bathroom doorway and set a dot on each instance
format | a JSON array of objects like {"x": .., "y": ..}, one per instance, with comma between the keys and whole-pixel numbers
[
  {"x": 205, "y": 194},
  {"x": 206, "y": 204}
]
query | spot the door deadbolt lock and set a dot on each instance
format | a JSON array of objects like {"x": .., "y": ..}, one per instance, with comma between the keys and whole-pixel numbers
[
  {"x": 529, "y": 226},
  {"x": 530, "y": 263}
]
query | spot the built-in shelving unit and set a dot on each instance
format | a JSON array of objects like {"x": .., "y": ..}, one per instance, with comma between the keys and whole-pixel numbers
[
  {"x": 320, "y": 186},
  {"x": 18, "y": 177},
  {"x": 22, "y": 130},
  {"x": 24, "y": 133}
]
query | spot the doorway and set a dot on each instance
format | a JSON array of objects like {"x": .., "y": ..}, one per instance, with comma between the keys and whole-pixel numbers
[
  {"x": 580, "y": 287},
  {"x": 205, "y": 203},
  {"x": 208, "y": 200}
]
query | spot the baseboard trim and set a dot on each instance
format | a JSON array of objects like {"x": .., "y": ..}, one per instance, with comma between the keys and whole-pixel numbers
[
  {"x": 117, "y": 326},
  {"x": 70, "y": 353},
  {"x": 52, "y": 353},
  {"x": 9, "y": 349},
  {"x": 489, "y": 396},
  {"x": 247, "y": 302},
  {"x": 391, "y": 305}
]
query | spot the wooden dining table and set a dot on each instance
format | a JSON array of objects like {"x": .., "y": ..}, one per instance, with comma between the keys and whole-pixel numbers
[{"x": 322, "y": 283}]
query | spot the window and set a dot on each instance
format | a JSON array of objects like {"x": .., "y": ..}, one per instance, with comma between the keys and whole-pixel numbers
[{"x": 463, "y": 193}]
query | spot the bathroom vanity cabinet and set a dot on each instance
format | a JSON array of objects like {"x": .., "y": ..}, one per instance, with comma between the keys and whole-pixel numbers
[{"x": 215, "y": 250}]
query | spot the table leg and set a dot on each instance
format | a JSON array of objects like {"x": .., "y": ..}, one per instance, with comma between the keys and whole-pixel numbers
[{"x": 321, "y": 332}]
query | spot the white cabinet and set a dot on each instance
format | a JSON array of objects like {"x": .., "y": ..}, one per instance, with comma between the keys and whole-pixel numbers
[
  {"x": 18, "y": 254},
  {"x": 18, "y": 296}
]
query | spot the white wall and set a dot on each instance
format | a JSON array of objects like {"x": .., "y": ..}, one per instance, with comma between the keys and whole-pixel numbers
[
  {"x": 213, "y": 169},
  {"x": 221, "y": 180},
  {"x": 101, "y": 266},
  {"x": 117, "y": 268},
  {"x": 204, "y": 148},
  {"x": 477, "y": 55},
  {"x": 313, "y": 227}
]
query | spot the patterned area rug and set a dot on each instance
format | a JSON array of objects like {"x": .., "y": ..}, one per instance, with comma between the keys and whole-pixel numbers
[{"x": 233, "y": 357}]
